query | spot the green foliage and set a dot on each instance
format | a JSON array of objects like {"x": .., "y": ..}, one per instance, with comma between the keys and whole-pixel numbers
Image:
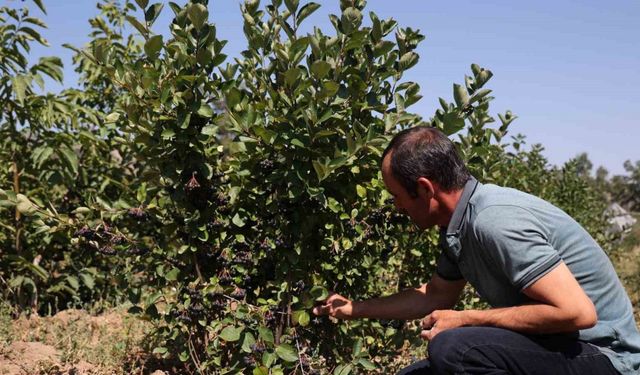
[
  {"x": 223, "y": 200},
  {"x": 54, "y": 166}
]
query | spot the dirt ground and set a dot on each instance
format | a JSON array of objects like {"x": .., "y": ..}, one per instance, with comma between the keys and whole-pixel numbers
[{"x": 74, "y": 343}]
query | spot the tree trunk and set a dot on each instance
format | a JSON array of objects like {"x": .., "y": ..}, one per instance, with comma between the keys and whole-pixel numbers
[{"x": 18, "y": 219}]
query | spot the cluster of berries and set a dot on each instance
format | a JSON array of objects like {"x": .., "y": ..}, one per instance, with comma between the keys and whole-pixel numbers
[
  {"x": 396, "y": 324},
  {"x": 266, "y": 165},
  {"x": 271, "y": 316},
  {"x": 242, "y": 258},
  {"x": 282, "y": 244},
  {"x": 377, "y": 216},
  {"x": 298, "y": 286},
  {"x": 238, "y": 293},
  {"x": 138, "y": 214},
  {"x": 224, "y": 278},
  {"x": 221, "y": 201}
]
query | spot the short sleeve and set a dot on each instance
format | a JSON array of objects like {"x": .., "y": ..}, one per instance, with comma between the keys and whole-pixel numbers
[
  {"x": 516, "y": 242},
  {"x": 447, "y": 269}
]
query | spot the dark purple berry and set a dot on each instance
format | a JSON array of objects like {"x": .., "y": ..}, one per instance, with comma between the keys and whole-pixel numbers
[
  {"x": 249, "y": 361},
  {"x": 137, "y": 213},
  {"x": 137, "y": 250},
  {"x": 238, "y": 293},
  {"x": 266, "y": 165},
  {"x": 85, "y": 232},
  {"x": 107, "y": 250}
]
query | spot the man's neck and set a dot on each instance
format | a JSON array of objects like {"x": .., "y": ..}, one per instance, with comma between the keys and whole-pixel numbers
[{"x": 448, "y": 202}]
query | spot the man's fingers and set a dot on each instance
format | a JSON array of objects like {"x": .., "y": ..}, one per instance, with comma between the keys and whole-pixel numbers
[
  {"x": 428, "y": 321},
  {"x": 428, "y": 334},
  {"x": 322, "y": 310}
]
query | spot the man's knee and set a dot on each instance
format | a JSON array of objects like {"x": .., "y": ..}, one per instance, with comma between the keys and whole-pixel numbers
[{"x": 447, "y": 348}]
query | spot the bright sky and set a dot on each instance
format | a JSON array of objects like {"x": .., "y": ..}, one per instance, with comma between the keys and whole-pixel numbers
[{"x": 570, "y": 70}]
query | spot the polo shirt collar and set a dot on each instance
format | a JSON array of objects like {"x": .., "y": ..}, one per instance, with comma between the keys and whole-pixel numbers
[
  {"x": 456, "y": 220},
  {"x": 452, "y": 233}
]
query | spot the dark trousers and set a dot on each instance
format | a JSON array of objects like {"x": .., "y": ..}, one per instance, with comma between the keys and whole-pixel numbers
[{"x": 493, "y": 351}]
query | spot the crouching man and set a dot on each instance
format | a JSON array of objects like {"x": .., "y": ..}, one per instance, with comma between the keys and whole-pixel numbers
[{"x": 558, "y": 306}]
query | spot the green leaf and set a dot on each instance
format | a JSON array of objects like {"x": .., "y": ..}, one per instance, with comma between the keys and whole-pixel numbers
[
  {"x": 320, "y": 68},
  {"x": 361, "y": 191},
  {"x": 209, "y": 130},
  {"x": 231, "y": 333},
  {"x": 301, "y": 317},
  {"x": 205, "y": 110},
  {"x": 153, "y": 46},
  {"x": 266, "y": 335},
  {"x": 460, "y": 95},
  {"x": 247, "y": 342},
  {"x": 291, "y": 76},
  {"x": 478, "y": 95},
  {"x": 306, "y": 11},
  {"x": 153, "y": 12},
  {"x": 333, "y": 205},
  {"x": 142, "y": 3},
  {"x": 168, "y": 133},
  {"x": 82, "y": 210},
  {"x": 408, "y": 60},
  {"x": 287, "y": 352},
  {"x": 452, "y": 123},
  {"x": 319, "y": 293},
  {"x": 329, "y": 88},
  {"x": 382, "y": 48},
  {"x": 261, "y": 371},
  {"x": 19, "y": 84},
  {"x": 73, "y": 282},
  {"x": 112, "y": 118},
  {"x": 357, "y": 347},
  {"x": 41, "y": 155},
  {"x": 172, "y": 275},
  {"x": 40, "y": 5},
  {"x": 350, "y": 20},
  {"x": 87, "y": 280},
  {"x": 139, "y": 26},
  {"x": 153, "y": 298},
  {"x": 24, "y": 205},
  {"x": 367, "y": 364},
  {"x": 237, "y": 220},
  {"x": 292, "y": 5},
  {"x": 268, "y": 358},
  {"x": 70, "y": 157},
  {"x": 197, "y": 14},
  {"x": 343, "y": 370},
  {"x": 482, "y": 77},
  {"x": 160, "y": 350}
]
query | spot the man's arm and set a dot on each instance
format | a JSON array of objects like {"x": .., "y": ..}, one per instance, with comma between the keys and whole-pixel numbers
[
  {"x": 561, "y": 306},
  {"x": 408, "y": 304}
]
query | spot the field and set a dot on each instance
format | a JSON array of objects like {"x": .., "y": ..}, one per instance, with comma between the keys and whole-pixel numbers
[{"x": 77, "y": 342}]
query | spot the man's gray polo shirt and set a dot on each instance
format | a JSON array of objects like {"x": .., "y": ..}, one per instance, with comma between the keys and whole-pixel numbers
[{"x": 502, "y": 240}]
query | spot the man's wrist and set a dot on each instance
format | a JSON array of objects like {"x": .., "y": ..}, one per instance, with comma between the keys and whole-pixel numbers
[
  {"x": 469, "y": 317},
  {"x": 357, "y": 308}
]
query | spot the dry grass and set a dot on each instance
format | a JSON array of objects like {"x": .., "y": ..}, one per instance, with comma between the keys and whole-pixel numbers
[
  {"x": 73, "y": 342},
  {"x": 626, "y": 260}
]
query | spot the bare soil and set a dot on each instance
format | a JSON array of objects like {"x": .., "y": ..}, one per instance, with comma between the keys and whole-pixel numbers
[{"x": 74, "y": 343}]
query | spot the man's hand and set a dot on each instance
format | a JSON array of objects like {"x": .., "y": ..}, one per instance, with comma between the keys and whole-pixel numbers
[
  {"x": 440, "y": 320},
  {"x": 336, "y": 306}
]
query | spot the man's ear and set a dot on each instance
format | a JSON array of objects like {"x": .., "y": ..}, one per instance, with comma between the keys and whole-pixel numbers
[{"x": 428, "y": 186}]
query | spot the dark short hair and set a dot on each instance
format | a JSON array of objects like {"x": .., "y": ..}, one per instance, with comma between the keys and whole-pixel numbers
[{"x": 424, "y": 151}]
